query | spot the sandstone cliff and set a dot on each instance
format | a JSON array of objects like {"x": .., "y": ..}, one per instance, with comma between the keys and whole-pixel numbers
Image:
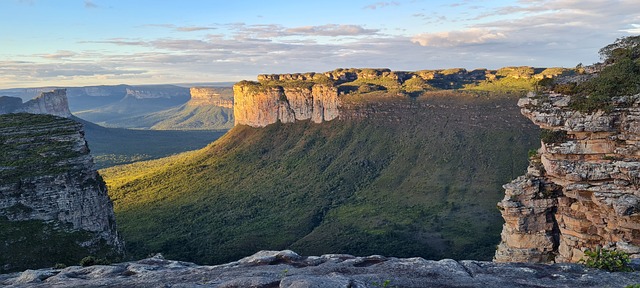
[
  {"x": 322, "y": 96},
  {"x": 49, "y": 177},
  {"x": 216, "y": 96},
  {"x": 581, "y": 189},
  {"x": 258, "y": 106},
  {"x": 54, "y": 103}
]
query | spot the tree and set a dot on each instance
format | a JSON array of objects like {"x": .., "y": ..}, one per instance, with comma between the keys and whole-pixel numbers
[{"x": 626, "y": 47}]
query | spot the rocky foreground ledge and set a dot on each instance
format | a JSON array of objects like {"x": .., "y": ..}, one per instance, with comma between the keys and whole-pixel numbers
[{"x": 288, "y": 269}]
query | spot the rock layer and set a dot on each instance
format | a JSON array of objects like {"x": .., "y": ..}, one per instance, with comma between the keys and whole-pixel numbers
[
  {"x": 288, "y": 269},
  {"x": 581, "y": 190},
  {"x": 258, "y": 106},
  {"x": 216, "y": 96}
]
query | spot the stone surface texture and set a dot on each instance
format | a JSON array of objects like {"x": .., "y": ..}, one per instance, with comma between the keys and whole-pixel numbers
[
  {"x": 580, "y": 192},
  {"x": 66, "y": 190},
  {"x": 267, "y": 269}
]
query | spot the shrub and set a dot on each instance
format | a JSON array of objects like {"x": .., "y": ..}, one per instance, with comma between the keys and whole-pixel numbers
[
  {"x": 533, "y": 153},
  {"x": 610, "y": 260},
  {"x": 551, "y": 137},
  {"x": 566, "y": 88},
  {"x": 91, "y": 260},
  {"x": 59, "y": 266}
]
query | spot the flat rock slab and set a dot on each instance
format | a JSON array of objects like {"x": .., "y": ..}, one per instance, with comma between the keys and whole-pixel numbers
[{"x": 270, "y": 269}]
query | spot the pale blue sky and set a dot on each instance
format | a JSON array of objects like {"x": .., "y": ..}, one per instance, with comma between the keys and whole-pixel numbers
[{"x": 93, "y": 42}]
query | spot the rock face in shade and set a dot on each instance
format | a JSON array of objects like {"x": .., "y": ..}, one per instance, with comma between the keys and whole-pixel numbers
[
  {"x": 48, "y": 176},
  {"x": 267, "y": 269},
  {"x": 53, "y": 103},
  {"x": 583, "y": 188}
]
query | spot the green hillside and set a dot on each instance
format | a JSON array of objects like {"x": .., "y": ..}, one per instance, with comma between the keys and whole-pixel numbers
[
  {"x": 115, "y": 146},
  {"x": 421, "y": 180},
  {"x": 183, "y": 117}
]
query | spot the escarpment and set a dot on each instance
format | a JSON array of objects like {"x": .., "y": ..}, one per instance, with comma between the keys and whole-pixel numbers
[
  {"x": 54, "y": 206},
  {"x": 216, "y": 96},
  {"x": 340, "y": 93},
  {"x": 53, "y": 102},
  {"x": 582, "y": 187}
]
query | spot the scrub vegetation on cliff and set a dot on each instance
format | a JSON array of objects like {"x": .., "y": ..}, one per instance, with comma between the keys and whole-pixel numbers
[
  {"x": 619, "y": 76},
  {"x": 421, "y": 181}
]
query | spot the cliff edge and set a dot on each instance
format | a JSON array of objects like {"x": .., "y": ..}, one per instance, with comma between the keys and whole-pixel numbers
[
  {"x": 53, "y": 102},
  {"x": 53, "y": 204},
  {"x": 581, "y": 188}
]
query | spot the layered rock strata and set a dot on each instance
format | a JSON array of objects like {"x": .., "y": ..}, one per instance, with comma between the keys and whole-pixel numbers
[
  {"x": 581, "y": 190},
  {"x": 216, "y": 96},
  {"x": 268, "y": 269},
  {"x": 256, "y": 105},
  {"x": 48, "y": 175}
]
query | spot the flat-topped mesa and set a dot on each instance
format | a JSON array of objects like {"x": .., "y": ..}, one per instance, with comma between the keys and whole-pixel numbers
[
  {"x": 582, "y": 190},
  {"x": 216, "y": 96},
  {"x": 319, "y": 96},
  {"x": 53, "y": 103},
  {"x": 259, "y": 105}
]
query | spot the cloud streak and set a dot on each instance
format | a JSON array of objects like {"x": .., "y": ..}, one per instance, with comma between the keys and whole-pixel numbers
[
  {"x": 379, "y": 5},
  {"x": 458, "y": 38}
]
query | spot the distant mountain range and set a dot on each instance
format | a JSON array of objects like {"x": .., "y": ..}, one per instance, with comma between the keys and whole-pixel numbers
[{"x": 157, "y": 107}]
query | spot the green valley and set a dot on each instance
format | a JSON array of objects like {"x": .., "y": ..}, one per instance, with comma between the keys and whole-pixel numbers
[{"x": 421, "y": 178}]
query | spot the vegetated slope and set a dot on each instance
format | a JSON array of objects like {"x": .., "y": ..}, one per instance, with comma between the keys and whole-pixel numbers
[
  {"x": 183, "y": 117},
  {"x": 114, "y": 146},
  {"x": 419, "y": 178}
]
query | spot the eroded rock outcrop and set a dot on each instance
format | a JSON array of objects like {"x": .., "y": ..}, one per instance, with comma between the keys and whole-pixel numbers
[
  {"x": 53, "y": 103},
  {"x": 581, "y": 190},
  {"x": 257, "y": 105},
  {"x": 288, "y": 269},
  {"x": 48, "y": 176}
]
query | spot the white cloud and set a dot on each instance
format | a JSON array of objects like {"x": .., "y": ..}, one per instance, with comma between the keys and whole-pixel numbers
[
  {"x": 457, "y": 38},
  {"x": 89, "y": 4},
  {"x": 331, "y": 30},
  {"x": 378, "y": 5},
  {"x": 634, "y": 30}
]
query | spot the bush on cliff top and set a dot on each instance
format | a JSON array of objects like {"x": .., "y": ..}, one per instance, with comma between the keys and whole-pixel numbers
[
  {"x": 621, "y": 77},
  {"x": 612, "y": 261}
]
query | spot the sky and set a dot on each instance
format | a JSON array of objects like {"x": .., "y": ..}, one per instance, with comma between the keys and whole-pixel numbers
[{"x": 107, "y": 42}]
